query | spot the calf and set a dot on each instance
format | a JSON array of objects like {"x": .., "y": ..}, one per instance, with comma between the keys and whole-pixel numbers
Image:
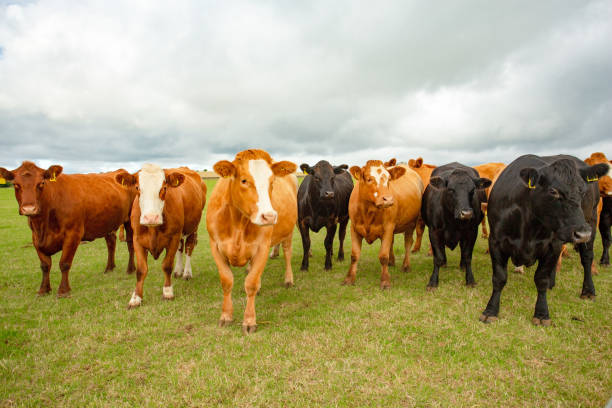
[
  {"x": 167, "y": 210},
  {"x": 490, "y": 171},
  {"x": 252, "y": 207},
  {"x": 537, "y": 205},
  {"x": 451, "y": 210},
  {"x": 65, "y": 209},
  {"x": 323, "y": 199},
  {"x": 424, "y": 171},
  {"x": 385, "y": 201}
]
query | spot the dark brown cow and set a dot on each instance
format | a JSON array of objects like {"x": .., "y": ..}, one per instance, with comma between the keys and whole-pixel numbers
[
  {"x": 167, "y": 209},
  {"x": 65, "y": 209}
]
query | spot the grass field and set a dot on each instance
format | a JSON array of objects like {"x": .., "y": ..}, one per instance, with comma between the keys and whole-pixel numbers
[{"x": 318, "y": 343}]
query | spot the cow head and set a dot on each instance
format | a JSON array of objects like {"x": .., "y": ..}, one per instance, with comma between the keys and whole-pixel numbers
[
  {"x": 459, "y": 192},
  {"x": 29, "y": 182},
  {"x": 251, "y": 177},
  {"x": 373, "y": 181},
  {"x": 152, "y": 184},
  {"x": 323, "y": 175},
  {"x": 605, "y": 182},
  {"x": 556, "y": 192}
]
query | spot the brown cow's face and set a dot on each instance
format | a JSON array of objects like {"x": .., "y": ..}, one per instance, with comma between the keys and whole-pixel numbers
[
  {"x": 29, "y": 182},
  {"x": 251, "y": 186},
  {"x": 374, "y": 181},
  {"x": 605, "y": 182}
]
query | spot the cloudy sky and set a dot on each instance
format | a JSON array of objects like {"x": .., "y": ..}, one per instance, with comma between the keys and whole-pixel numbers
[{"x": 97, "y": 85}]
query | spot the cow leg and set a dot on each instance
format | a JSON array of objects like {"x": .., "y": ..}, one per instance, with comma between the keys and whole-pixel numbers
[
  {"x": 275, "y": 251},
  {"x": 485, "y": 233},
  {"x": 71, "y": 243},
  {"x": 252, "y": 283},
  {"x": 329, "y": 245},
  {"x": 305, "y": 233},
  {"x": 391, "y": 252},
  {"x": 586, "y": 259},
  {"x": 341, "y": 236},
  {"x": 356, "y": 240},
  {"x": 167, "y": 290},
  {"x": 606, "y": 238},
  {"x": 45, "y": 266},
  {"x": 129, "y": 239},
  {"x": 111, "y": 244},
  {"x": 121, "y": 233},
  {"x": 178, "y": 266},
  {"x": 436, "y": 238},
  {"x": 467, "y": 248},
  {"x": 420, "y": 229},
  {"x": 141, "y": 273},
  {"x": 227, "y": 283},
  {"x": 499, "y": 262},
  {"x": 190, "y": 244},
  {"x": 542, "y": 276},
  {"x": 407, "y": 245},
  {"x": 287, "y": 249},
  {"x": 383, "y": 256}
]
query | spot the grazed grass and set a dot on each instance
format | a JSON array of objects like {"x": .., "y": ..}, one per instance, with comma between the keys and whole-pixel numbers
[{"x": 318, "y": 344}]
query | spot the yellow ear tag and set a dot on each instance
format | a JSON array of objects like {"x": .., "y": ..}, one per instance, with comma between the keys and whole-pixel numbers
[
  {"x": 176, "y": 183},
  {"x": 530, "y": 186},
  {"x": 53, "y": 178},
  {"x": 590, "y": 180},
  {"x": 122, "y": 183}
]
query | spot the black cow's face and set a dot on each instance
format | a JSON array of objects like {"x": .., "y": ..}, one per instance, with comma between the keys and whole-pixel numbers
[
  {"x": 556, "y": 194},
  {"x": 458, "y": 192},
  {"x": 323, "y": 175}
]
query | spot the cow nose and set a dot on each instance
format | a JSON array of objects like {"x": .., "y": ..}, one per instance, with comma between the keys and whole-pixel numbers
[
  {"x": 387, "y": 200},
  {"x": 581, "y": 236},
  {"x": 269, "y": 218},
  {"x": 328, "y": 194},
  {"x": 151, "y": 219},
  {"x": 466, "y": 214},
  {"x": 28, "y": 210}
]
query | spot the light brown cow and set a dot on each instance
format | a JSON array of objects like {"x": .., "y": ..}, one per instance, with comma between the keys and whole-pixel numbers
[
  {"x": 384, "y": 202},
  {"x": 490, "y": 171},
  {"x": 253, "y": 207},
  {"x": 65, "y": 209},
  {"x": 167, "y": 209},
  {"x": 424, "y": 171}
]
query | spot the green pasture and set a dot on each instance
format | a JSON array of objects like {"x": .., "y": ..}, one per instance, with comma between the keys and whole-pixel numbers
[{"x": 318, "y": 343}]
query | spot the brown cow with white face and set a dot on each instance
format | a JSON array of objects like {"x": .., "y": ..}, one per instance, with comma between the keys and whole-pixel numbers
[
  {"x": 252, "y": 207},
  {"x": 166, "y": 211},
  {"x": 65, "y": 209},
  {"x": 384, "y": 202}
]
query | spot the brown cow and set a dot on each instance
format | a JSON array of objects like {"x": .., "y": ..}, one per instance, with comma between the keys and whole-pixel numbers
[
  {"x": 253, "y": 207},
  {"x": 167, "y": 209},
  {"x": 384, "y": 202},
  {"x": 65, "y": 209},
  {"x": 424, "y": 171},
  {"x": 490, "y": 171}
]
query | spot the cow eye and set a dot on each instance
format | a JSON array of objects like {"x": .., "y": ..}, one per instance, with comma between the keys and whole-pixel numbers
[
  {"x": 553, "y": 192},
  {"x": 370, "y": 179},
  {"x": 244, "y": 181}
]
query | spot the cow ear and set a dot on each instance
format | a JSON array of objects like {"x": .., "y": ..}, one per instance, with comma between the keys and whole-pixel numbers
[
  {"x": 530, "y": 177},
  {"x": 339, "y": 169},
  {"x": 437, "y": 182},
  {"x": 52, "y": 172},
  {"x": 175, "y": 179},
  {"x": 125, "y": 179},
  {"x": 225, "y": 168},
  {"x": 418, "y": 162},
  {"x": 7, "y": 175},
  {"x": 482, "y": 182},
  {"x": 283, "y": 168},
  {"x": 306, "y": 169},
  {"x": 593, "y": 173},
  {"x": 356, "y": 172},
  {"x": 397, "y": 172},
  {"x": 392, "y": 162}
]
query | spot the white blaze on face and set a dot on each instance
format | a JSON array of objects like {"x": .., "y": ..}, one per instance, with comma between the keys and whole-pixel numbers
[
  {"x": 261, "y": 173},
  {"x": 380, "y": 175},
  {"x": 150, "y": 181}
]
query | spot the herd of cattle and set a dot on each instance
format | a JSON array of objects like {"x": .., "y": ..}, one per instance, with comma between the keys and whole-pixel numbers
[{"x": 534, "y": 206}]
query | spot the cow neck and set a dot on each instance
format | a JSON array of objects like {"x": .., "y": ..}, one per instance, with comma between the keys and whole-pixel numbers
[
  {"x": 41, "y": 224},
  {"x": 240, "y": 223},
  {"x": 370, "y": 212}
]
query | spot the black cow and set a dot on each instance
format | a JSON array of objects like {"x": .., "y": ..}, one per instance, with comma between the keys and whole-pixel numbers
[
  {"x": 537, "y": 205},
  {"x": 323, "y": 199},
  {"x": 451, "y": 209},
  {"x": 605, "y": 221}
]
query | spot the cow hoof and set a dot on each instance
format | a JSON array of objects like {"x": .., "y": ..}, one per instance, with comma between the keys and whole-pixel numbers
[
  {"x": 225, "y": 321},
  {"x": 108, "y": 270},
  {"x": 385, "y": 285},
  {"x": 541, "y": 322},
  {"x": 406, "y": 269},
  {"x": 471, "y": 285},
  {"x": 348, "y": 281},
  {"x": 63, "y": 295},
  {"x": 485, "y": 236},
  {"x": 588, "y": 296},
  {"x": 520, "y": 270},
  {"x": 431, "y": 288},
  {"x": 130, "y": 271},
  {"x": 287, "y": 285},
  {"x": 487, "y": 319},
  {"x": 249, "y": 329},
  {"x": 43, "y": 292},
  {"x": 178, "y": 275},
  {"x": 341, "y": 258},
  {"x": 327, "y": 268}
]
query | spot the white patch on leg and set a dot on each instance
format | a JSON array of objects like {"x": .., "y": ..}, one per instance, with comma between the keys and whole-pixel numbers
[
  {"x": 178, "y": 265},
  {"x": 187, "y": 273},
  {"x": 135, "y": 300},
  {"x": 168, "y": 292}
]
